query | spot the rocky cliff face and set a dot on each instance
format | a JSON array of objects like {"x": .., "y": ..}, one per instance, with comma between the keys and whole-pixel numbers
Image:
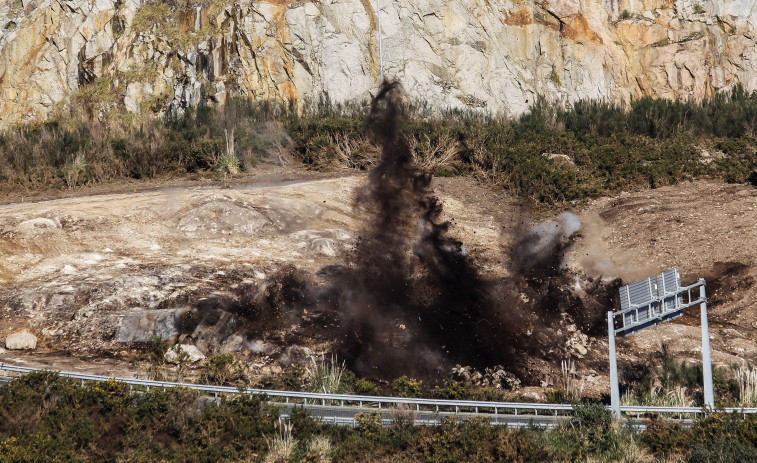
[{"x": 496, "y": 55}]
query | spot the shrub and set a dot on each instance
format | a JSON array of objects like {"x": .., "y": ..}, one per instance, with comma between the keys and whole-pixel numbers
[
  {"x": 559, "y": 396},
  {"x": 224, "y": 370},
  {"x": 664, "y": 438},
  {"x": 724, "y": 437},
  {"x": 370, "y": 425},
  {"x": 407, "y": 387},
  {"x": 364, "y": 386},
  {"x": 653, "y": 142}
]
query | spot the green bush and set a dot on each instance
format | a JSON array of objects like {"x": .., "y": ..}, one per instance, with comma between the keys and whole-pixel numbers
[
  {"x": 407, "y": 387},
  {"x": 664, "y": 438},
  {"x": 363, "y": 386},
  {"x": 44, "y": 417},
  {"x": 369, "y": 425}
]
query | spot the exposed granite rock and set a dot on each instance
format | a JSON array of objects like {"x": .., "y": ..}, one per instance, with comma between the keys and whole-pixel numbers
[
  {"x": 21, "y": 340},
  {"x": 184, "y": 353},
  {"x": 147, "y": 325},
  {"x": 496, "y": 55}
]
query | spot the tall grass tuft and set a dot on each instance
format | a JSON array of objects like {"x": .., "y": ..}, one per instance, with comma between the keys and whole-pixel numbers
[
  {"x": 570, "y": 379},
  {"x": 747, "y": 380},
  {"x": 281, "y": 446},
  {"x": 319, "y": 450},
  {"x": 325, "y": 376},
  {"x": 76, "y": 170},
  {"x": 228, "y": 162}
]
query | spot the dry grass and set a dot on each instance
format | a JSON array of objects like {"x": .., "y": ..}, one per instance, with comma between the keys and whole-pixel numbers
[
  {"x": 676, "y": 397},
  {"x": 403, "y": 416},
  {"x": 444, "y": 153},
  {"x": 324, "y": 376},
  {"x": 228, "y": 162},
  {"x": 747, "y": 378},
  {"x": 319, "y": 450},
  {"x": 353, "y": 153},
  {"x": 569, "y": 380},
  {"x": 281, "y": 446}
]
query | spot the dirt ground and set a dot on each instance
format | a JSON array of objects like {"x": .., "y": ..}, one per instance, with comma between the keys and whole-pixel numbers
[{"x": 73, "y": 269}]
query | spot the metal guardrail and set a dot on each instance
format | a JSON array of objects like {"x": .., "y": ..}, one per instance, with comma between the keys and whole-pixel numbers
[{"x": 316, "y": 400}]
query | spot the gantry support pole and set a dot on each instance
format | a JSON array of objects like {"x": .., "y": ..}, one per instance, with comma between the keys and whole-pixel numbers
[
  {"x": 709, "y": 396},
  {"x": 614, "y": 388}
]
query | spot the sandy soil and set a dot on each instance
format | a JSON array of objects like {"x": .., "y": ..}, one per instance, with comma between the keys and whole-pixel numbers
[{"x": 707, "y": 230}]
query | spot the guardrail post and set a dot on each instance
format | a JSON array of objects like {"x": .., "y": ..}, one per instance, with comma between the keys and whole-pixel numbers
[
  {"x": 709, "y": 396},
  {"x": 614, "y": 389}
]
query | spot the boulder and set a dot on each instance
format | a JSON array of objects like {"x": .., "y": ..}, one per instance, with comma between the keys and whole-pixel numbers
[
  {"x": 21, "y": 340},
  {"x": 146, "y": 325},
  {"x": 191, "y": 353}
]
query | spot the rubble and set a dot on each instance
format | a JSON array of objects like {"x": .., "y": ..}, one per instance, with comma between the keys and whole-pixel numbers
[{"x": 496, "y": 377}]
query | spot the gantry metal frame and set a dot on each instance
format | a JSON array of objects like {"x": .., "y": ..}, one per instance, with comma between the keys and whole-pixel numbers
[{"x": 646, "y": 304}]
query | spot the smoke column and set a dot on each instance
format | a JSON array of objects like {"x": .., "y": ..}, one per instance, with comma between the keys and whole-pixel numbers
[{"x": 410, "y": 300}]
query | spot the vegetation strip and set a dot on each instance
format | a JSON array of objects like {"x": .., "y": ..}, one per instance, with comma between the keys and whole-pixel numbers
[
  {"x": 549, "y": 155},
  {"x": 480, "y": 407},
  {"x": 45, "y": 417}
]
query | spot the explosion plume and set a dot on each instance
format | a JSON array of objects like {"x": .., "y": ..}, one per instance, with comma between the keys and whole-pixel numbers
[{"x": 411, "y": 299}]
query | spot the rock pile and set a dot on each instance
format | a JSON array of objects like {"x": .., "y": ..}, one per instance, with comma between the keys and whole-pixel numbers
[
  {"x": 578, "y": 343},
  {"x": 493, "y": 377}
]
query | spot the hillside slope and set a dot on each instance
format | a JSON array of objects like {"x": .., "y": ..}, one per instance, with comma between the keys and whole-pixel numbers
[{"x": 94, "y": 277}]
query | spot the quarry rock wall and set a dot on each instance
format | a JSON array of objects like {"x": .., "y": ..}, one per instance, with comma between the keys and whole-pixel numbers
[{"x": 490, "y": 55}]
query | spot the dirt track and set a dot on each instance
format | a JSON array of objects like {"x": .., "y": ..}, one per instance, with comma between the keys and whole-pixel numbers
[{"x": 71, "y": 269}]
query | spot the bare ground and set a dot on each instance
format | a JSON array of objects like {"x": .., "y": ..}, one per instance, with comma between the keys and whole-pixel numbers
[{"x": 73, "y": 269}]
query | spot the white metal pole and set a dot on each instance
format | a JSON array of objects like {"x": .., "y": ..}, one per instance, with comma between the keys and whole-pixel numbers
[
  {"x": 614, "y": 388},
  {"x": 381, "y": 51},
  {"x": 709, "y": 396}
]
